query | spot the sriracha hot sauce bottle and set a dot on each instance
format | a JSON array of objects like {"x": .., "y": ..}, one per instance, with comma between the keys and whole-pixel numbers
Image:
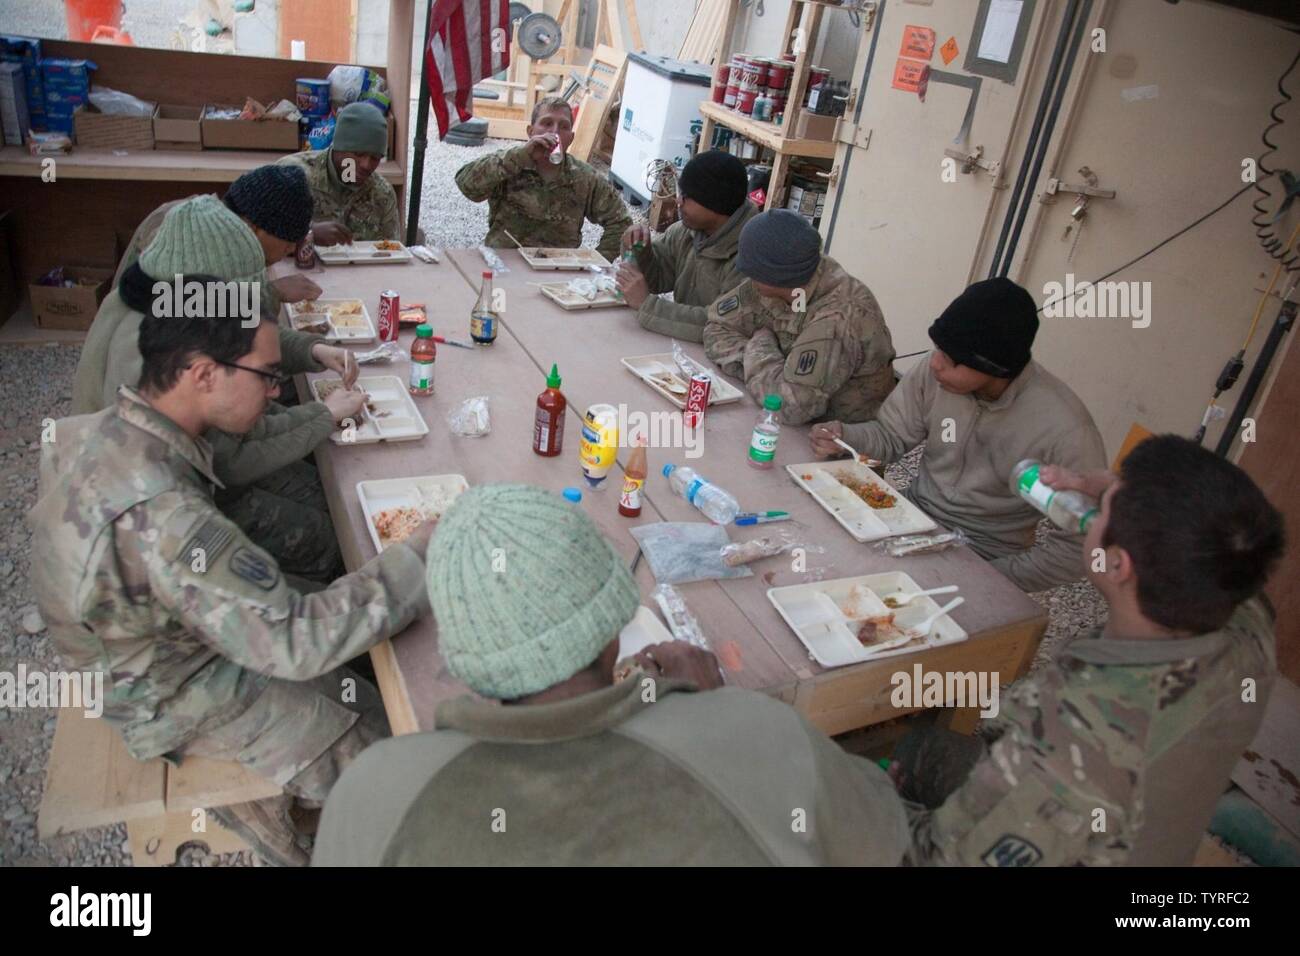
[
  {"x": 629, "y": 502},
  {"x": 548, "y": 425},
  {"x": 424, "y": 352}
]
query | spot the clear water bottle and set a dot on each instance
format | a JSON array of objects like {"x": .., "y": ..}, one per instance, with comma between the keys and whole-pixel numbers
[
  {"x": 762, "y": 444},
  {"x": 1070, "y": 511},
  {"x": 717, "y": 505}
]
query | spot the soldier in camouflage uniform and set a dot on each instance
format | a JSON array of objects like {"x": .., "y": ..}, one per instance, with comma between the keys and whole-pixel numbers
[
  {"x": 206, "y": 648},
  {"x": 1117, "y": 751},
  {"x": 801, "y": 327},
  {"x": 350, "y": 200},
  {"x": 542, "y": 203}
]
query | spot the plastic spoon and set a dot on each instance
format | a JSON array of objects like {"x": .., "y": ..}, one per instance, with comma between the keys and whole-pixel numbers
[
  {"x": 923, "y": 630},
  {"x": 902, "y": 598},
  {"x": 869, "y": 462}
]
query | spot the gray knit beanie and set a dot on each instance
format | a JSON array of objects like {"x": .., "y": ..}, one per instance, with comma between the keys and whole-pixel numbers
[
  {"x": 525, "y": 589},
  {"x": 779, "y": 248}
]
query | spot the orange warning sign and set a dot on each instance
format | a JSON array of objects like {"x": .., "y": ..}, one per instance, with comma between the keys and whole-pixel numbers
[
  {"x": 908, "y": 75},
  {"x": 949, "y": 51},
  {"x": 918, "y": 42}
]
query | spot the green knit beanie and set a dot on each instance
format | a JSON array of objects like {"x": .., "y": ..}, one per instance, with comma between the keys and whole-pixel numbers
[
  {"x": 202, "y": 236},
  {"x": 360, "y": 128},
  {"x": 525, "y": 589}
]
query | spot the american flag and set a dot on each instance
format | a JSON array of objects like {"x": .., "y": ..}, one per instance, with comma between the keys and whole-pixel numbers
[{"x": 468, "y": 41}]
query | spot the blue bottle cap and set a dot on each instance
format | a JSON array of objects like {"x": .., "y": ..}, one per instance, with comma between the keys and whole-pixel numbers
[
  {"x": 572, "y": 494},
  {"x": 668, "y": 470}
]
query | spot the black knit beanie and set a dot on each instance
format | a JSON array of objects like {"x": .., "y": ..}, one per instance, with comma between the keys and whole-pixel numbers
[
  {"x": 990, "y": 327},
  {"x": 276, "y": 199},
  {"x": 716, "y": 180}
]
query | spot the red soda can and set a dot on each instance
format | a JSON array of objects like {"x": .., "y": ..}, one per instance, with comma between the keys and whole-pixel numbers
[
  {"x": 390, "y": 307},
  {"x": 304, "y": 254},
  {"x": 697, "y": 399}
]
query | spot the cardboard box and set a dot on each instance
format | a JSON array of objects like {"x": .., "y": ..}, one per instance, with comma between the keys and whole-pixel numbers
[
  {"x": 71, "y": 307},
  {"x": 278, "y": 135},
  {"x": 96, "y": 130},
  {"x": 811, "y": 126},
  {"x": 177, "y": 127}
]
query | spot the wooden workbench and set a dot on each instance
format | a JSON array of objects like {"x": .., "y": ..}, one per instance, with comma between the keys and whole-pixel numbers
[{"x": 756, "y": 648}]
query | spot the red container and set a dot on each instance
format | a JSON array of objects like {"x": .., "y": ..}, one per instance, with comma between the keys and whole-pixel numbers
[
  {"x": 816, "y": 74},
  {"x": 720, "y": 77},
  {"x": 779, "y": 74},
  {"x": 697, "y": 400},
  {"x": 304, "y": 254},
  {"x": 729, "y": 97},
  {"x": 752, "y": 76},
  {"x": 745, "y": 101},
  {"x": 779, "y": 98},
  {"x": 390, "y": 306}
]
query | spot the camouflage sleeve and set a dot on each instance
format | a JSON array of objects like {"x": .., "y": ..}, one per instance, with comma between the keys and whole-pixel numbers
[
  {"x": 295, "y": 351},
  {"x": 479, "y": 179},
  {"x": 390, "y": 220},
  {"x": 902, "y": 422},
  {"x": 820, "y": 361},
  {"x": 1052, "y": 791},
  {"x": 606, "y": 208},
  {"x": 230, "y": 592},
  {"x": 1058, "y": 558},
  {"x": 277, "y": 440},
  {"x": 729, "y": 324}
]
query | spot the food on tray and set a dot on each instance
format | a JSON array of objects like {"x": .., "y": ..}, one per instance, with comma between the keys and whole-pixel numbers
[
  {"x": 346, "y": 307},
  {"x": 412, "y": 314},
  {"x": 892, "y": 603},
  {"x": 327, "y": 388},
  {"x": 398, "y": 524},
  {"x": 669, "y": 381},
  {"x": 316, "y": 323},
  {"x": 388, "y": 245},
  {"x": 875, "y": 629},
  {"x": 869, "y": 492}
]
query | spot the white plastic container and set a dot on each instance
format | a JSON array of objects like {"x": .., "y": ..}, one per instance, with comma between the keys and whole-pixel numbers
[{"x": 660, "y": 116}]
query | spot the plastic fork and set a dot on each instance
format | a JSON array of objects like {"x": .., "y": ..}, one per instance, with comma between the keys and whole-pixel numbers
[{"x": 923, "y": 629}]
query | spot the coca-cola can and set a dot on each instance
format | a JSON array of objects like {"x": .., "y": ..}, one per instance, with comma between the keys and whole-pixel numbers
[
  {"x": 697, "y": 399},
  {"x": 390, "y": 308},
  {"x": 304, "y": 254}
]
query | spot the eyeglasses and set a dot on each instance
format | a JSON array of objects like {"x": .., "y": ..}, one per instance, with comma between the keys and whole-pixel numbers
[{"x": 277, "y": 379}]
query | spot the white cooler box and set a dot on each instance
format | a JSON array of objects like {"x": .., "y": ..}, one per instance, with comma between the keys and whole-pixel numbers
[{"x": 661, "y": 115}]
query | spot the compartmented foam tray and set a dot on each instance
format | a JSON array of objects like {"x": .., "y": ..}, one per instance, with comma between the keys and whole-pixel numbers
[
  {"x": 661, "y": 373},
  {"x": 827, "y": 616},
  {"x": 394, "y": 507},
  {"x": 339, "y": 320},
  {"x": 390, "y": 413},
  {"x": 821, "y": 479},
  {"x": 377, "y": 252},
  {"x": 558, "y": 292},
  {"x": 551, "y": 259}
]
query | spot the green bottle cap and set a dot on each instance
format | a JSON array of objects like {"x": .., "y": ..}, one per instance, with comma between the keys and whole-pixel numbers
[
  {"x": 553, "y": 380},
  {"x": 424, "y": 331},
  {"x": 772, "y": 403}
]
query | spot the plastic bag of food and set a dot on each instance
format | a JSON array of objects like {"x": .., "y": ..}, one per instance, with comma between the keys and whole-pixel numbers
[
  {"x": 384, "y": 354},
  {"x": 682, "y": 623},
  {"x": 929, "y": 543},
  {"x": 492, "y": 260},
  {"x": 284, "y": 110},
  {"x": 349, "y": 83},
  {"x": 688, "y": 365},
  {"x": 112, "y": 102},
  {"x": 471, "y": 418},
  {"x": 743, "y": 552}
]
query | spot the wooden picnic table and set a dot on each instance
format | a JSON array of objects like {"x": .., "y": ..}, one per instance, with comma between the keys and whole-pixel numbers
[{"x": 756, "y": 648}]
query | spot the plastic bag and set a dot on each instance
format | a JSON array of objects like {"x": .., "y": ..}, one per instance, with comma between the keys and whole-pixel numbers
[
  {"x": 930, "y": 543},
  {"x": 284, "y": 110},
  {"x": 680, "y": 552},
  {"x": 426, "y": 253},
  {"x": 690, "y": 368},
  {"x": 384, "y": 354},
  {"x": 471, "y": 419},
  {"x": 112, "y": 102},
  {"x": 493, "y": 261},
  {"x": 739, "y": 553},
  {"x": 348, "y": 83},
  {"x": 320, "y": 133},
  {"x": 681, "y": 621}
]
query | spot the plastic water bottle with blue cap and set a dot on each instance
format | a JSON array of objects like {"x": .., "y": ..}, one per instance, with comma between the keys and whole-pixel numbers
[{"x": 716, "y": 504}]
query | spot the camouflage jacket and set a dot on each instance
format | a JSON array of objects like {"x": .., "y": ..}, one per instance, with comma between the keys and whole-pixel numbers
[
  {"x": 696, "y": 269},
  {"x": 139, "y": 576},
  {"x": 833, "y": 360},
  {"x": 1116, "y": 753},
  {"x": 543, "y": 212},
  {"x": 111, "y": 358},
  {"x": 369, "y": 211}
]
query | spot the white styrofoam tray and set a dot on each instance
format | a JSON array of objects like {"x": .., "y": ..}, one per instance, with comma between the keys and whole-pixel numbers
[
  {"x": 433, "y": 494},
  {"x": 858, "y": 518},
  {"x": 547, "y": 259},
  {"x": 363, "y": 251},
  {"x": 395, "y": 417},
  {"x": 641, "y": 632},
  {"x": 815, "y": 612},
  {"x": 648, "y": 367},
  {"x": 343, "y": 329}
]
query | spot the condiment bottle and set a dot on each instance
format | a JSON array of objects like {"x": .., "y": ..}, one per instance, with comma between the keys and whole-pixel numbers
[
  {"x": 548, "y": 424},
  {"x": 424, "y": 352},
  {"x": 629, "y": 502},
  {"x": 483, "y": 318}
]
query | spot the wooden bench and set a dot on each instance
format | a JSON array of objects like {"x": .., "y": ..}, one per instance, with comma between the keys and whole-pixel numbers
[{"x": 92, "y": 781}]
